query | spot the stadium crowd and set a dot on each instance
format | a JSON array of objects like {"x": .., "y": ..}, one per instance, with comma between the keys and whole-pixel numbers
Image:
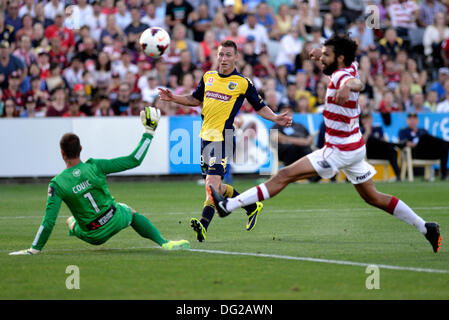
[{"x": 82, "y": 57}]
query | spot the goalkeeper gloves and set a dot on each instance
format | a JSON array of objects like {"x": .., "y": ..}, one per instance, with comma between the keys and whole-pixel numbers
[
  {"x": 24, "y": 252},
  {"x": 150, "y": 119}
]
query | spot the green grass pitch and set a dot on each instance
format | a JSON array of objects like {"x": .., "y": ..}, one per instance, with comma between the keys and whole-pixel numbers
[{"x": 321, "y": 221}]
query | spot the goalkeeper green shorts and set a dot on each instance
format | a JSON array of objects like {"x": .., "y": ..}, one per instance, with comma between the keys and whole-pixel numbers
[{"x": 122, "y": 218}]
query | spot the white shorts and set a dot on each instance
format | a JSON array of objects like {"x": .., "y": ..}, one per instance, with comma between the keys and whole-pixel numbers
[{"x": 328, "y": 161}]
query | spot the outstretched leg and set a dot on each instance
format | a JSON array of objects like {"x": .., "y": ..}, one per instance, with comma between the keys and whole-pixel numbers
[
  {"x": 146, "y": 229},
  {"x": 301, "y": 169},
  {"x": 400, "y": 210}
]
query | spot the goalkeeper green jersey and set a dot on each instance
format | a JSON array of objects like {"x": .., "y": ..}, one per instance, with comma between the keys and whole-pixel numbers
[{"x": 84, "y": 190}]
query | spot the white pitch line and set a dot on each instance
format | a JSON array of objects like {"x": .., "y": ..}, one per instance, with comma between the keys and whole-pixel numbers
[
  {"x": 266, "y": 255},
  {"x": 329, "y": 261}
]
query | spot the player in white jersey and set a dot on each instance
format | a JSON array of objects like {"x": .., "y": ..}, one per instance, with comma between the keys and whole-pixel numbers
[{"x": 344, "y": 149}]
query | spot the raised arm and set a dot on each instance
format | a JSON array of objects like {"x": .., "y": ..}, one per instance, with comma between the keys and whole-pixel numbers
[{"x": 189, "y": 100}]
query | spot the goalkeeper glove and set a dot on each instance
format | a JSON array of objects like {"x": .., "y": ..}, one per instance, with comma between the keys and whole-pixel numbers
[
  {"x": 150, "y": 119},
  {"x": 25, "y": 252}
]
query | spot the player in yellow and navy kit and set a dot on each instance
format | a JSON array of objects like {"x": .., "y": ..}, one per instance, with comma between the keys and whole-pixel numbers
[{"x": 221, "y": 94}]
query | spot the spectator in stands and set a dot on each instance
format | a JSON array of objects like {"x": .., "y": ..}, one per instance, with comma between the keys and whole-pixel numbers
[
  {"x": 111, "y": 32},
  {"x": 103, "y": 108},
  {"x": 230, "y": 13},
  {"x": 424, "y": 145},
  {"x": 52, "y": 8},
  {"x": 135, "y": 28},
  {"x": 12, "y": 17},
  {"x": 290, "y": 46},
  {"x": 57, "y": 105},
  {"x": 123, "y": 16},
  {"x": 182, "y": 42},
  {"x": 431, "y": 100},
  {"x": 150, "y": 92},
  {"x": 419, "y": 77},
  {"x": 234, "y": 35},
  {"x": 290, "y": 97},
  {"x": 294, "y": 142},
  {"x": 177, "y": 12},
  {"x": 27, "y": 8},
  {"x": 403, "y": 15},
  {"x": 8, "y": 64},
  {"x": 364, "y": 34},
  {"x": 65, "y": 35},
  {"x": 151, "y": 17},
  {"x": 428, "y": 11},
  {"x": 434, "y": 35},
  {"x": 206, "y": 46},
  {"x": 30, "y": 108},
  {"x": 283, "y": 20},
  {"x": 388, "y": 104},
  {"x": 6, "y": 31},
  {"x": 390, "y": 44},
  {"x": 85, "y": 106},
  {"x": 376, "y": 145},
  {"x": 13, "y": 89},
  {"x": 418, "y": 105},
  {"x": 40, "y": 95},
  {"x": 24, "y": 51},
  {"x": 438, "y": 86},
  {"x": 265, "y": 18},
  {"x": 443, "y": 106},
  {"x": 27, "y": 28},
  {"x": 185, "y": 65},
  {"x": 125, "y": 65},
  {"x": 10, "y": 109},
  {"x": 73, "y": 109},
  {"x": 320, "y": 94},
  {"x": 55, "y": 79},
  {"x": 103, "y": 71},
  {"x": 122, "y": 102},
  {"x": 39, "y": 15},
  {"x": 220, "y": 26},
  {"x": 340, "y": 20},
  {"x": 74, "y": 73},
  {"x": 135, "y": 105},
  {"x": 200, "y": 22},
  {"x": 257, "y": 31},
  {"x": 327, "y": 30}
]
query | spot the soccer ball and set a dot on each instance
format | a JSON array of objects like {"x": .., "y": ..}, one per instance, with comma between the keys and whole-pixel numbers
[{"x": 154, "y": 42}]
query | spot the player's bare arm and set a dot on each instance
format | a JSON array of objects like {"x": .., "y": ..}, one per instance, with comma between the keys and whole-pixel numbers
[
  {"x": 167, "y": 95},
  {"x": 282, "y": 119},
  {"x": 343, "y": 93}
]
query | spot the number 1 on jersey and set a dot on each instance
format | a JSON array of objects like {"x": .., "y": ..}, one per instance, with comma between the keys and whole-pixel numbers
[{"x": 92, "y": 201}]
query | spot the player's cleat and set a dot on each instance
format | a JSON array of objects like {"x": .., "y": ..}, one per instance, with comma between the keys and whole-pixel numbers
[
  {"x": 29, "y": 251},
  {"x": 433, "y": 235},
  {"x": 252, "y": 218},
  {"x": 219, "y": 201},
  {"x": 176, "y": 245},
  {"x": 199, "y": 229}
]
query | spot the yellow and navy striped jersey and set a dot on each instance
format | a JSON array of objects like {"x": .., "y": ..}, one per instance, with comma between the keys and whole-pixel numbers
[{"x": 222, "y": 97}]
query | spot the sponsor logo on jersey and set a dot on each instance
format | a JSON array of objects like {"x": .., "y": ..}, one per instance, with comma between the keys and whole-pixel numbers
[
  {"x": 51, "y": 191},
  {"x": 218, "y": 96},
  {"x": 81, "y": 186},
  {"x": 76, "y": 172},
  {"x": 210, "y": 81},
  {"x": 232, "y": 85},
  {"x": 212, "y": 161}
]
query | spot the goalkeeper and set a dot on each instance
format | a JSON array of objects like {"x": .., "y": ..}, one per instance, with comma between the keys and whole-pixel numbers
[{"x": 83, "y": 187}]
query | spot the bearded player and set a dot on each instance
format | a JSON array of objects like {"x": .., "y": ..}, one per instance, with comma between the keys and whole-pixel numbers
[
  {"x": 83, "y": 188},
  {"x": 221, "y": 93},
  {"x": 344, "y": 149}
]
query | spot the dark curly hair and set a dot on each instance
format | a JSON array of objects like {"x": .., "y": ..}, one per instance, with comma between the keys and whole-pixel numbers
[{"x": 343, "y": 45}]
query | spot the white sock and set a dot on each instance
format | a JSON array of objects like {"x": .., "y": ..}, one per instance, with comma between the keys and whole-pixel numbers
[
  {"x": 403, "y": 212},
  {"x": 248, "y": 197}
]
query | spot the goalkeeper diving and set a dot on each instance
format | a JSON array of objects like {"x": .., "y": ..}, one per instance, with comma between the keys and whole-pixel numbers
[{"x": 83, "y": 188}]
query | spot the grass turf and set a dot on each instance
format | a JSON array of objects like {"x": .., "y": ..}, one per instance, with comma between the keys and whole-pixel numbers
[{"x": 323, "y": 221}]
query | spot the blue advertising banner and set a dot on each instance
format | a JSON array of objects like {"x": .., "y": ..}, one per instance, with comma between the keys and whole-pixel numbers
[{"x": 252, "y": 138}]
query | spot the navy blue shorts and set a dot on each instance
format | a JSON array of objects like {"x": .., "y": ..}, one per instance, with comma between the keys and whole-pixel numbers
[{"x": 215, "y": 156}]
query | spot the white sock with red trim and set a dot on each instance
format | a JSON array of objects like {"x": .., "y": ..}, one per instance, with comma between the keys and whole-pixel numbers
[
  {"x": 403, "y": 212},
  {"x": 258, "y": 193}
]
